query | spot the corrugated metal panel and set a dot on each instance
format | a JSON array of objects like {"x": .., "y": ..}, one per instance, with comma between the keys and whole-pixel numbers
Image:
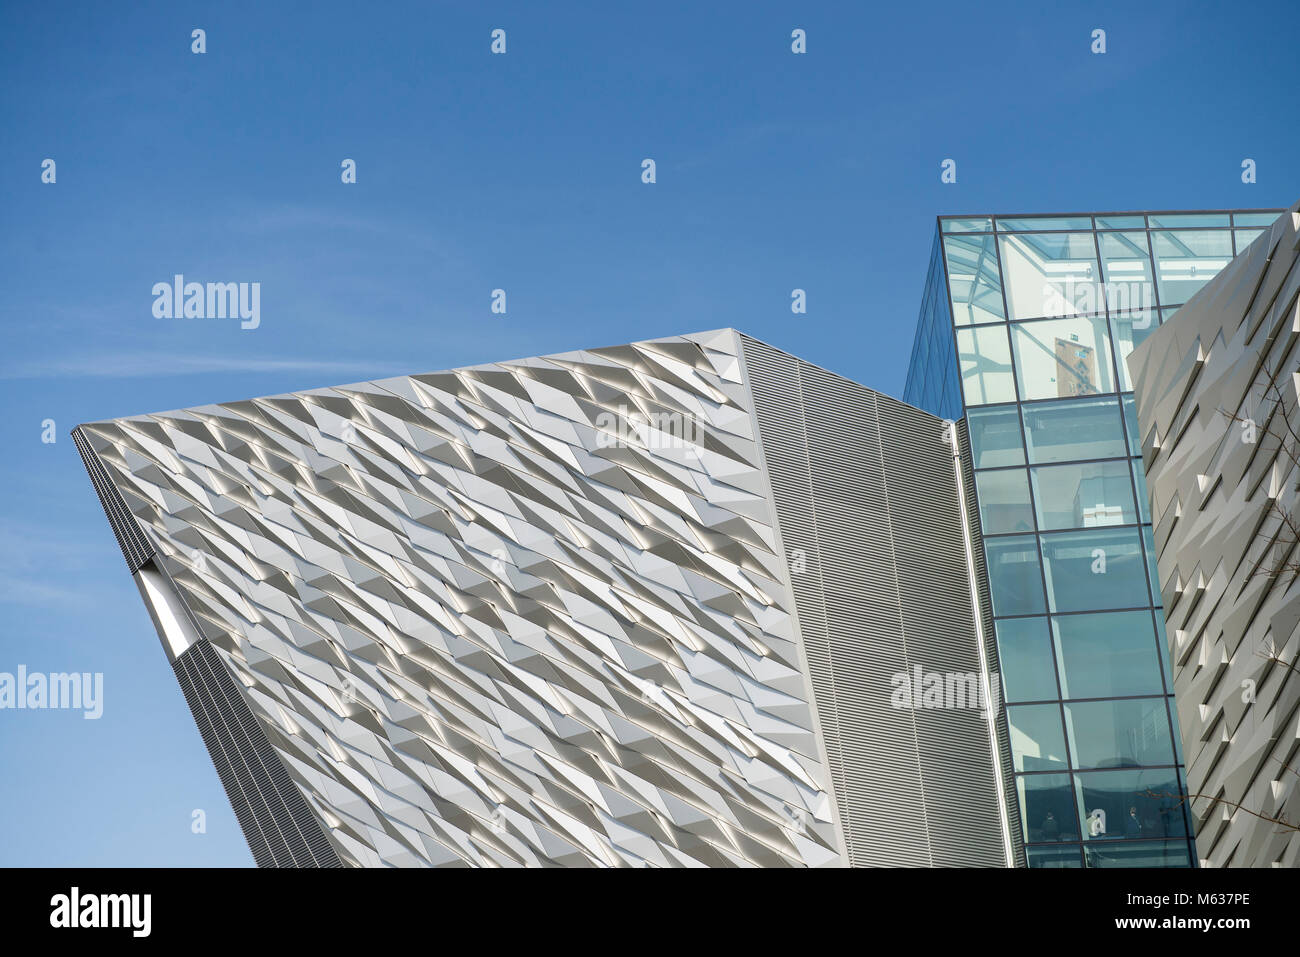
[
  {"x": 865, "y": 487},
  {"x": 280, "y": 828}
]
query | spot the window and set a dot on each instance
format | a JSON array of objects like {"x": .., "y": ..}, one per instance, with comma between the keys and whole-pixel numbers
[
  {"x": 1037, "y": 741},
  {"x": 1025, "y": 653},
  {"x": 1129, "y": 331},
  {"x": 1004, "y": 501},
  {"x": 1139, "y": 854},
  {"x": 1118, "y": 734},
  {"x": 1063, "y": 358},
  {"x": 1073, "y": 430},
  {"x": 1094, "y": 570},
  {"x": 1050, "y": 275},
  {"x": 995, "y": 437},
  {"x": 1115, "y": 805},
  {"x": 1188, "y": 259},
  {"x": 1015, "y": 579},
  {"x": 1107, "y": 655},
  {"x": 1047, "y": 808},
  {"x": 973, "y": 279},
  {"x": 1084, "y": 495},
  {"x": 1067, "y": 855},
  {"x": 1126, "y": 266},
  {"x": 985, "y": 365}
]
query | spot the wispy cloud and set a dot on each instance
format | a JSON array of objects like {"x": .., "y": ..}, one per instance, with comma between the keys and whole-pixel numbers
[{"x": 151, "y": 365}]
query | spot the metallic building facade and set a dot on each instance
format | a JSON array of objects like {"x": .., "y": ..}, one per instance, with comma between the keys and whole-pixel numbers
[
  {"x": 650, "y": 605},
  {"x": 1217, "y": 405},
  {"x": 1024, "y": 329}
]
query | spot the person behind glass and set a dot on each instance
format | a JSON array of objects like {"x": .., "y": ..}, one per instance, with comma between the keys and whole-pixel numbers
[
  {"x": 1051, "y": 827},
  {"x": 1132, "y": 826}
]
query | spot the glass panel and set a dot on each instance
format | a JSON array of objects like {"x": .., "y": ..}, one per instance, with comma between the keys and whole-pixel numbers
[
  {"x": 1121, "y": 222},
  {"x": 976, "y": 225},
  {"x": 1085, "y": 495},
  {"x": 995, "y": 436},
  {"x": 1126, "y": 265},
  {"x": 1015, "y": 581},
  {"x": 1111, "y": 801},
  {"x": 1037, "y": 742},
  {"x": 1022, "y": 223},
  {"x": 1178, "y": 740},
  {"x": 1139, "y": 854},
  {"x": 1050, "y": 275},
  {"x": 1107, "y": 655},
  {"x": 1078, "y": 429},
  {"x": 1025, "y": 651},
  {"x": 1054, "y": 857},
  {"x": 1119, "y": 734},
  {"x": 985, "y": 365},
  {"x": 1244, "y": 237},
  {"x": 1255, "y": 219},
  {"x": 1129, "y": 332},
  {"x": 1140, "y": 483},
  {"x": 1093, "y": 570},
  {"x": 1047, "y": 808},
  {"x": 1186, "y": 261},
  {"x": 973, "y": 279},
  {"x": 1131, "y": 428},
  {"x": 1063, "y": 358},
  {"x": 1184, "y": 220},
  {"x": 1004, "y": 501},
  {"x": 1153, "y": 571},
  {"x": 1162, "y": 645}
]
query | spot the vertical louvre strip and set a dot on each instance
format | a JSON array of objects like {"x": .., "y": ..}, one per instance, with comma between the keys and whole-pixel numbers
[
  {"x": 864, "y": 486},
  {"x": 135, "y": 547},
  {"x": 278, "y": 824}
]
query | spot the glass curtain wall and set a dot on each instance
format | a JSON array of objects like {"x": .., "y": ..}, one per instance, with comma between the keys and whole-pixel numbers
[{"x": 1044, "y": 312}]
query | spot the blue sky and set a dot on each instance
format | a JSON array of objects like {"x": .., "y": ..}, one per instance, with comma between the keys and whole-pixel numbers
[{"x": 520, "y": 172}]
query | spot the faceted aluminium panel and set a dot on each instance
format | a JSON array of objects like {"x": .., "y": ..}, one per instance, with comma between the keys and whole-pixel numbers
[
  {"x": 539, "y": 613},
  {"x": 1217, "y": 404}
]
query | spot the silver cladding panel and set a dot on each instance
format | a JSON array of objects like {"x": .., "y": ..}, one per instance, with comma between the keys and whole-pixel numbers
[
  {"x": 867, "y": 503},
  {"x": 1214, "y": 531},
  {"x": 501, "y": 616}
]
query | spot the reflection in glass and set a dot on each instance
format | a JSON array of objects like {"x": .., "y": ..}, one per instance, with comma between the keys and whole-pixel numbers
[
  {"x": 1187, "y": 260},
  {"x": 1119, "y": 734},
  {"x": 1112, "y": 654},
  {"x": 1004, "y": 501},
  {"x": 995, "y": 437},
  {"x": 1054, "y": 857},
  {"x": 1100, "y": 568},
  {"x": 1015, "y": 580},
  {"x": 1126, "y": 266},
  {"x": 1051, "y": 275},
  {"x": 1063, "y": 358},
  {"x": 1119, "y": 805},
  {"x": 1025, "y": 652},
  {"x": 1047, "y": 808},
  {"x": 985, "y": 360},
  {"x": 1037, "y": 741},
  {"x": 1072, "y": 430},
  {"x": 1139, "y": 854},
  {"x": 1128, "y": 332},
  {"x": 973, "y": 279},
  {"x": 1084, "y": 495}
]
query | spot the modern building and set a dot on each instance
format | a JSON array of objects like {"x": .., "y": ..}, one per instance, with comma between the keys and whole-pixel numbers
[
  {"x": 1218, "y": 422},
  {"x": 689, "y": 601},
  {"x": 1025, "y": 326}
]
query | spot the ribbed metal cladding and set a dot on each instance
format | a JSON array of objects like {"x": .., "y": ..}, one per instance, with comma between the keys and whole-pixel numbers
[
  {"x": 864, "y": 487},
  {"x": 135, "y": 547},
  {"x": 280, "y": 828},
  {"x": 993, "y": 660}
]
